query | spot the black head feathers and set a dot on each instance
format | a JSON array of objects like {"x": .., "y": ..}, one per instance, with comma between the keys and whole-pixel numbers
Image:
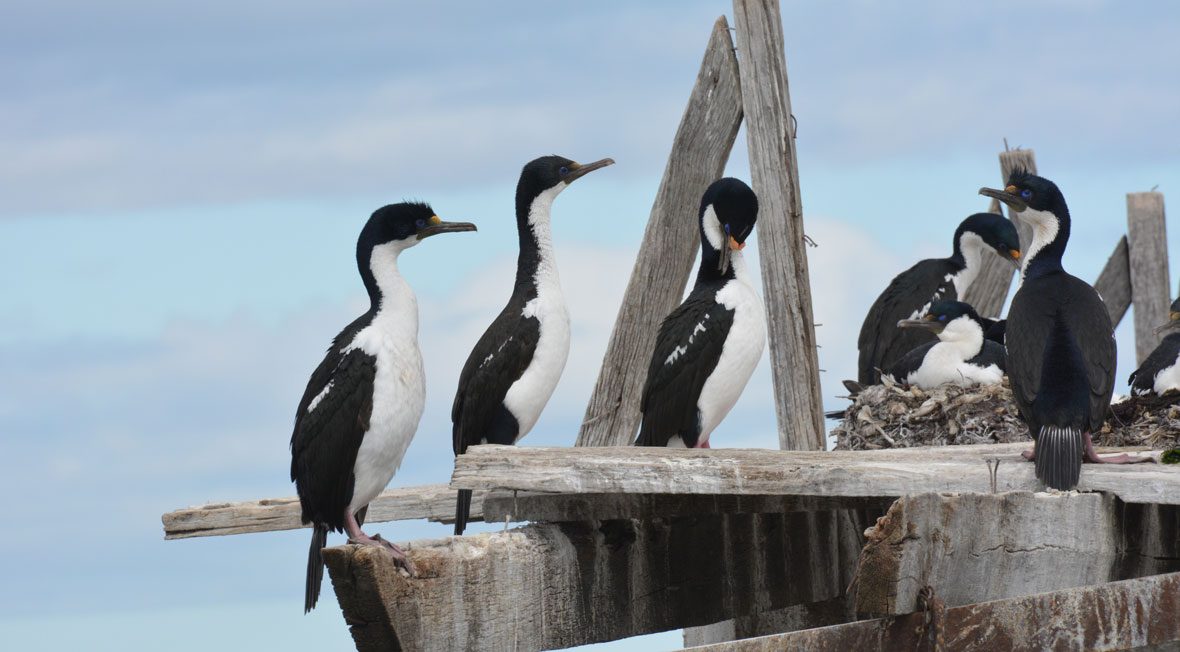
[{"x": 996, "y": 231}]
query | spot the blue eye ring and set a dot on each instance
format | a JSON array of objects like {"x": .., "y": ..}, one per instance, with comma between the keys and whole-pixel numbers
[
  {"x": 563, "y": 170},
  {"x": 942, "y": 318},
  {"x": 1026, "y": 194},
  {"x": 420, "y": 222}
]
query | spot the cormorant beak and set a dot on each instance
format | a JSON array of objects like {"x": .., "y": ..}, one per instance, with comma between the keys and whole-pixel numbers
[
  {"x": 1173, "y": 323},
  {"x": 436, "y": 226},
  {"x": 1013, "y": 257},
  {"x": 1008, "y": 196},
  {"x": 577, "y": 171},
  {"x": 928, "y": 324}
]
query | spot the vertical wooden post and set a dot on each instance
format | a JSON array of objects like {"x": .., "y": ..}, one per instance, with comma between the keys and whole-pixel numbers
[
  {"x": 781, "y": 248},
  {"x": 1147, "y": 251},
  {"x": 699, "y": 151},
  {"x": 990, "y": 289}
]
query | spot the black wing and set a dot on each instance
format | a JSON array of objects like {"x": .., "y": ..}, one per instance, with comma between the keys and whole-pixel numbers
[
  {"x": 990, "y": 354},
  {"x": 687, "y": 350},
  {"x": 909, "y": 362},
  {"x": 325, "y": 440},
  {"x": 1043, "y": 307},
  {"x": 881, "y": 342},
  {"x": 497, "y": 361},
  {"x": 1142, "y": 380}
]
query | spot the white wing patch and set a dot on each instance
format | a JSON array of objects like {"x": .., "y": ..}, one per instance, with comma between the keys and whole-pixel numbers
[
  {"x": 319, "y": 397},
  {"x": 499, "y": 349},
  {"x": 681, "y": 350}
]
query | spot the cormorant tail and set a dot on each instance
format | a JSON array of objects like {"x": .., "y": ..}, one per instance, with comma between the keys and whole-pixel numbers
[
  {"x": 315, "y": 566},
  {"x": 462, "y": 510},
  {"x": 1059, "y": 456}
]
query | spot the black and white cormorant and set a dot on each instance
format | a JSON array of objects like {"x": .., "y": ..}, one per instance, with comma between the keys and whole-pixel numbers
[
  {"x": 1061, "y": 348},
  {"x": 513, "y": 369},
  {"x": 708, "y": 347},
  {"x": 363, "y": 402},
  {"x": 911, "y": 293},
  {"x": 961, "y": 356},
  {"x": 1160, "y": 372}
]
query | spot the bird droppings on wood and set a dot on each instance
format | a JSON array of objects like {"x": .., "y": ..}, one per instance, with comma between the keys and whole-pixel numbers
[{"x": 895, "y": 416}]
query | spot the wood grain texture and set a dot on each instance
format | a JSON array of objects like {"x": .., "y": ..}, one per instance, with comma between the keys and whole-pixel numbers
[
  {"x": 1114, "y": 283},
  {"x": 782, "y": 252},
  {"x": 700, "y": 150},
  {"x": 936, "y": 540},
  {"x": 880, "y": 473},
  {"x": 434, "y": 502},
  {"x": 990, "y": 289},
  {"x": 1147, "y": 248},
  {"x": 559, "y": 585},
  {"x": 1137, "y": 614}
]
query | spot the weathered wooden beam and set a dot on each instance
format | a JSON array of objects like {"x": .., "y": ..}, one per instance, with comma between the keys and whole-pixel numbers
[
  {"x": 834, "y": 611},
  {"x": 990, "y": 289},
  {"x": 554, "y": 508},
  {"x": 1147, "y": 246},
  {"x": 1128, "y": 615},
  {"x": 782, "y": 251},
  {"x": 435, "y": 502},
  {"x": 936, "y": 540},
  {"x": 803, "y": 473},
  {"x": 1114, "y": 283},
  {"x": 559, "y": 585},
  {"x": 699, "y": 152}
]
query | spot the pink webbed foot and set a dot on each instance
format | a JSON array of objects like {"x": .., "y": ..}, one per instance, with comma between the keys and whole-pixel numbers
[
  {"x": 703, "y": 444},
  {"x": 1030, "y": 454},
  {"x": 1090, "y": 455},
  {"x": 358, "y": 537}
]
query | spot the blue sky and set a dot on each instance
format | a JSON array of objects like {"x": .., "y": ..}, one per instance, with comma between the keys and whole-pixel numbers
[{"x": 183, "y": 184}]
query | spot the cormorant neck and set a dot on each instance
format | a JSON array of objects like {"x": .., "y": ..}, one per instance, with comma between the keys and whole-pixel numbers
[
  {"x": 380, "y": 273},
  {"x": 536, "y": 238},
  {"x": 968, "y": 256},
  {"x": 1050, "y": 235},
  {"x": 710, "y": 271}
]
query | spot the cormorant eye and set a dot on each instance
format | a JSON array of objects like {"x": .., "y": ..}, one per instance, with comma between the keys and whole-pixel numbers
[
  {"x": 1026, "y": 194},
  {"x": 420, "y": 223},
  {"x": 563, "y": 170},
  {"x": 942, "y": 318}
]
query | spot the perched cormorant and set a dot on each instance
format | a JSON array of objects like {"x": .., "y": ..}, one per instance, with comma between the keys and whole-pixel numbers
[
  {"x": 911, "y": 293},
  {"x": 708, "y": 347},
  {"x": 513, "y": 369},
  {"x": 363, "y": 402},
  {"x": 1061, "y": 348},
  {"x": 961, "y": 355},
  {"x": 1160, "y": 372}
]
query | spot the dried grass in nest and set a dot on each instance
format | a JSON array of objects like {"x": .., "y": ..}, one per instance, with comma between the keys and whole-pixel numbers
[{"x": 895, "y": 416}]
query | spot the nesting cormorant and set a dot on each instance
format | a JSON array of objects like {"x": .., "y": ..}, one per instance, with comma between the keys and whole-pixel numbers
[
  {"x": 911, "y": 293},
  {"x": 961, "y": 355},
  {"x": 1160, "y": 372},
  {"x": 708, "y": 347},
  {"x": 363, "y": 402},
  {"x": 513, "y": 369},
  {"x": 1061, "y": 348}
]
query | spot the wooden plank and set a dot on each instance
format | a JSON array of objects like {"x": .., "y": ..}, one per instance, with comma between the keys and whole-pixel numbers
[
  {"x": 936, "y": 540},
  {"x": 990, "y": 289},
  {"x": 435, "y": 502},
  {"x": 699, "y": 151},
  {"x": 559, "y": 585},
  {"x": 781, "y": 248},
  {"x": 1114, "y": 283},
  {"x": 1147, "y": 246},
  {"x": 554, "y": 508},
  {"x": 802, "y": 473},
  {"x": 834, "y": 611},
  {"x": 1132, "y": 614}
]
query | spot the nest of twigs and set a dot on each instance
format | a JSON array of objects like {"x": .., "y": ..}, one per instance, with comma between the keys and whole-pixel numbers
[{"x": 896, "y": 416}]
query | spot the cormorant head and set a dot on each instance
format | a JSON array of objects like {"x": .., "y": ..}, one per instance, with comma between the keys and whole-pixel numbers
[
  {"x": 996, "y": 231},
  {"x": 547, "y": 176},
  {"x": 1028, "y": 191},
  {"x": 1173, "y": 322},
  {"x": 729, "y": 209},
  {"x": 406, "y": 224},
  {"x": 947, "y": 317}
]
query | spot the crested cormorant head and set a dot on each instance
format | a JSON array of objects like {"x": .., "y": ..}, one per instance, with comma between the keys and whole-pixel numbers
[{"x": 729, "y": 209}]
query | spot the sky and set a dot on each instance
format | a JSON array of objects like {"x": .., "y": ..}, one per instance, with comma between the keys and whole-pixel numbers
[{"x": 182, "y": 184}]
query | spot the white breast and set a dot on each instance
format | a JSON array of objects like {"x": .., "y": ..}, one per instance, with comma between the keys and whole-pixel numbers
[
  {"x": 528, "y": 395},
  {"x": 1168, "y": 378},
  {"x": 740, "y": 354},
  {"x": 399, "y": 387}
]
